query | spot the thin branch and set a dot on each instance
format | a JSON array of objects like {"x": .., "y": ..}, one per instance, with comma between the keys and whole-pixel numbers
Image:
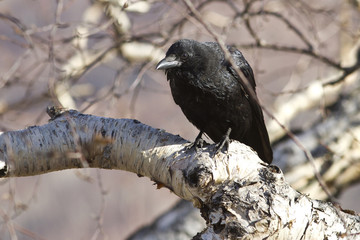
[
  {"x": 290, "y": 25},
  {"x": 294, "y": 49}
]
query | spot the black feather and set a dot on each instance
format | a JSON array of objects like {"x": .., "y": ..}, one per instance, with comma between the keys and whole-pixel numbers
[{"x": 212, "y": 95}]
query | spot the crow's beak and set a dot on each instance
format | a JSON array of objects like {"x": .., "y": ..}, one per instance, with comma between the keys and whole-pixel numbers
[{"x": 168, "y": 62}]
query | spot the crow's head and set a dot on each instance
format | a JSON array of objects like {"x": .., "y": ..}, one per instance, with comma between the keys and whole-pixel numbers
[{"x": 183, "y": 54}]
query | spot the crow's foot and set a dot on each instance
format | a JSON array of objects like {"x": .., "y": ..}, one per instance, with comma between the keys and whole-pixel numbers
[
  {"x": 225, "y": 142},
  {"x": 197, "y": 144}
]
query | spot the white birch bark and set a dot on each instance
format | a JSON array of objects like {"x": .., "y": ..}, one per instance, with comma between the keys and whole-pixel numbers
[{"x": 239, "y": 195}]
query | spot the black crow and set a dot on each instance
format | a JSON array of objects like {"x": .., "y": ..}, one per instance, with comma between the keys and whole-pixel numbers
[{"x": 212, "y": 95}]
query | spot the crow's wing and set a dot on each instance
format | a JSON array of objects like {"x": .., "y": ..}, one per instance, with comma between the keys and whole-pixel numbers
[
  {"x": 243, "y": 65},
  {"x": 258, "y": 127},
  {"x": 257, "y": 135}
]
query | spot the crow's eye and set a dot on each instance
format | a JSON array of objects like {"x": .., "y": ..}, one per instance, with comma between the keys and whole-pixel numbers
[{"x": 184, "y": 56}]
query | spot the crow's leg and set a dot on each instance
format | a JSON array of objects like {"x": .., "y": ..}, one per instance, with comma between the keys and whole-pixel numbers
[
  {"x": 224, "y": 142},
  {"x": 198, "y": 143}
]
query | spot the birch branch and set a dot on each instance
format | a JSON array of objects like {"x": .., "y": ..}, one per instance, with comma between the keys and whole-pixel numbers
[{"x": 239, "y": 196}]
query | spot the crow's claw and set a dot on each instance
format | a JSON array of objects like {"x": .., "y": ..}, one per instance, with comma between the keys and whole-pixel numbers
[
  {"x": 225, "y": 142},
  {"x": 197, "y": 144}
]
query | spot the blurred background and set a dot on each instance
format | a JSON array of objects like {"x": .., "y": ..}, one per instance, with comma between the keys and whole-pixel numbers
[{"x": 99, "y": 57}]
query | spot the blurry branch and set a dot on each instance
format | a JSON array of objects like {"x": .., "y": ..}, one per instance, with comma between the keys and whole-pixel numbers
[
  {"x": 183, "y": 221},
  {"x": 86, "y": 58},
  {"x": 307, "y": 99},
  {"x": 327, "y": 90},
  {"x": 76, "y": 67},
  {"x": 71, "y": 57},
  {"x": 335, "y": 143},
  {"x": 345, "y": 71},
  {"x": 309, "y": 52},
  {"x": 107, "y": 34},
  {"x": 236, "y": 201},
  {"x": 20, "y": 26},
  {"x": 337, "y": 174}
]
